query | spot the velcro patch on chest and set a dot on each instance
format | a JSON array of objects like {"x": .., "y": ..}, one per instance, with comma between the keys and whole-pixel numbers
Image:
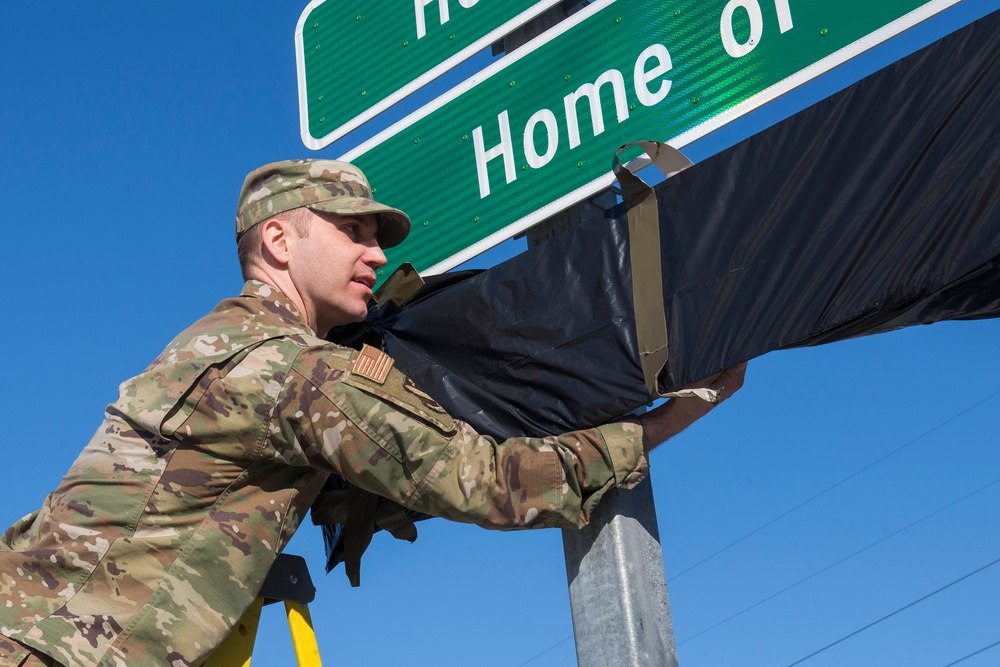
[{"x": 373, "y": 364}]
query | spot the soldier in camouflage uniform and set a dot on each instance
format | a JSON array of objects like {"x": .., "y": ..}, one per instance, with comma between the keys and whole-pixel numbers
[{"x": 160, "y": 535}]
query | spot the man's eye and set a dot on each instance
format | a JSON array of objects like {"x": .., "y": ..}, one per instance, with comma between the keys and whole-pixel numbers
[{"x": 352, "y": 230}]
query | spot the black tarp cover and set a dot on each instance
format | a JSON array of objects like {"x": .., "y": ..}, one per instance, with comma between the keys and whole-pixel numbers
[
  {"x": 872, "y": 210},
  {"x": 875, "y": 209}
]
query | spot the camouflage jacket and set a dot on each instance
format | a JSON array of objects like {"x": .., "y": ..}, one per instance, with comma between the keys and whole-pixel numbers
[{"x": 161, "y": 534}]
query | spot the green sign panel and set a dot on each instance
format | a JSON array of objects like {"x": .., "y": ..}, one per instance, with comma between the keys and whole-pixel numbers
[
  {"x": 356, "y": 59},
  {"x": 536, "y": 131}
]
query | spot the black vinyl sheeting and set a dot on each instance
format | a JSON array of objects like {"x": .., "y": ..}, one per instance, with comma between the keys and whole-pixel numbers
[{"x": 874, "y": 209}]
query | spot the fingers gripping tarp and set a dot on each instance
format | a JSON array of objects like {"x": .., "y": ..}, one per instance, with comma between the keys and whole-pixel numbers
[{"x": 874, "y": 209}]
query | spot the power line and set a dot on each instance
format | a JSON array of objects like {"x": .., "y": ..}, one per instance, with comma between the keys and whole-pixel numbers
[
  {"x": 842, "y": 560},
  {"x": 539, "y": 655},
  {"x": 830, "y": 488},
  {"x": 974, "y": 653},
  {"x": 890, "y": 615}
]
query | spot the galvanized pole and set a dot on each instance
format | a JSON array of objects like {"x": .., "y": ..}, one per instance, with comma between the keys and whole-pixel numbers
[
  {"x": 617, "y": 589},
  {"x": 617, "y": 586}
]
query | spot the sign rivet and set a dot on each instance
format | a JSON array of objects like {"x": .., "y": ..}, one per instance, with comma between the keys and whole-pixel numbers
[
  {"x": 425, "y": 223},
  {"x": 524, "y": 167},
  {"x": 579, "y": 164},
  {"x": 476, "y": 219},
  {"x": 406, "y": 43},
  {"x": 631, "y": 107},
  {"x": 511, "y": 84},
  {"x": 363, "y": 93},
  {"x": 417, "y": 140},
  {"x": 358, "y": 17},
  {"x": 822, "y": 33},
  {"x": 315, "y": 25},
  {"x": 379, "y": 271},
  {"x": 618, "y": 20},
  {"x": 677, "y": 12},
  {"x": 566, "y": 78},
  {"x": 696, "y": 100},
  {"x": 465, "y": 137},
  {"x": 320, "y": 98},
  {"x": 451, "y": 37},
  {"x": 317, "y": 47},
  {"x": 322, "y": 119}
]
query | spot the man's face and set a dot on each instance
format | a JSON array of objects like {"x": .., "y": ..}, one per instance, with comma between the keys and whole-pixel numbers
[{"x": 333, "y": 267}]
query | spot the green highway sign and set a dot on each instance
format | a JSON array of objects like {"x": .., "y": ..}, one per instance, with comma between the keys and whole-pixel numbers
[
  {"x": 535, "y": 132},
  {"x": 356, "y": 59}
]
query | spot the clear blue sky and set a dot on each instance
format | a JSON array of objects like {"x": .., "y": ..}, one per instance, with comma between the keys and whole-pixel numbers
[{"x": 127, "y": 128}]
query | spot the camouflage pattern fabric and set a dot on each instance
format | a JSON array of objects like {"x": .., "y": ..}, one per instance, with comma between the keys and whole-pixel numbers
[
  {"x": 329, "y": 186},
  {"x": 161, "y": 534},
  {"x": 13, "y": 654}
]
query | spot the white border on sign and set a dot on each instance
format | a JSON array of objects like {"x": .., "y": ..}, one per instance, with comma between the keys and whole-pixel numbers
[
  {"x": 316, "y": 144},
  {"x": 476, "y": 79},
  {"x": 595, "y": 186}
]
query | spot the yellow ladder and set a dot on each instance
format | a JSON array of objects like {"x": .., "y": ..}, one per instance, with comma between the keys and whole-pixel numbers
[{"x": 288, "y": 581}]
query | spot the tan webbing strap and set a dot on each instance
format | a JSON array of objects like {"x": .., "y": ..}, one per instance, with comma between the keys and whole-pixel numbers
[
  {"x": 400, "y": 285},
  {"x": 644, "y": 244}
]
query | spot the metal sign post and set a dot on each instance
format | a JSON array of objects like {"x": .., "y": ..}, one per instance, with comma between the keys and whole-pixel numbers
[{"x": 617, "y": 586}]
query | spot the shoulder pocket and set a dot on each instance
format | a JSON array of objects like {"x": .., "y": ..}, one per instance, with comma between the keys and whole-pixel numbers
[
  {"x": 200, "y": 374},
  {"x": 400, "y": 392}
]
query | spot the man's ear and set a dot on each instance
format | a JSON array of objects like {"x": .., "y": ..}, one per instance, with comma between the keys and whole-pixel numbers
[{"x": 274, "y": 235}]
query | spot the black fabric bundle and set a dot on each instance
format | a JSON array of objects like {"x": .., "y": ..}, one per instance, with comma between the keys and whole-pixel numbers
[
  {"x": 872, "y": 210},
  {"x": 875, "y": 209}
]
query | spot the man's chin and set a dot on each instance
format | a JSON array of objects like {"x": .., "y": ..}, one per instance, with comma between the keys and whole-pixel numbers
[{"x": 353, "y": 316}]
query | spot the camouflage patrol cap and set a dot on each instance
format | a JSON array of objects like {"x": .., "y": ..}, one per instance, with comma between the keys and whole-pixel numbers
[{"x": 319, "y": 185}]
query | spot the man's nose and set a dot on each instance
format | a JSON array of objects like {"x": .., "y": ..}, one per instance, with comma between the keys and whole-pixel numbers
[{"x": 374, "y": 257}]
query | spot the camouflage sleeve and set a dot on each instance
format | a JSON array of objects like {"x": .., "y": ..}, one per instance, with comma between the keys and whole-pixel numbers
[{"x": 378, "y": 430}]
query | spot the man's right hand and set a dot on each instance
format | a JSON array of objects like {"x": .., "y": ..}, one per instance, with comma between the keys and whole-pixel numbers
[{"x": 677, "y": 414}]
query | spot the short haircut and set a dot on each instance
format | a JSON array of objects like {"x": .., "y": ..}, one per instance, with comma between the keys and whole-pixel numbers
[{"x": 248, "y": 246}]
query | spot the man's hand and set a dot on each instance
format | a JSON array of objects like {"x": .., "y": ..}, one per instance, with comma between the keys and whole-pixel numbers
[{"x": 677, "y": 414}]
